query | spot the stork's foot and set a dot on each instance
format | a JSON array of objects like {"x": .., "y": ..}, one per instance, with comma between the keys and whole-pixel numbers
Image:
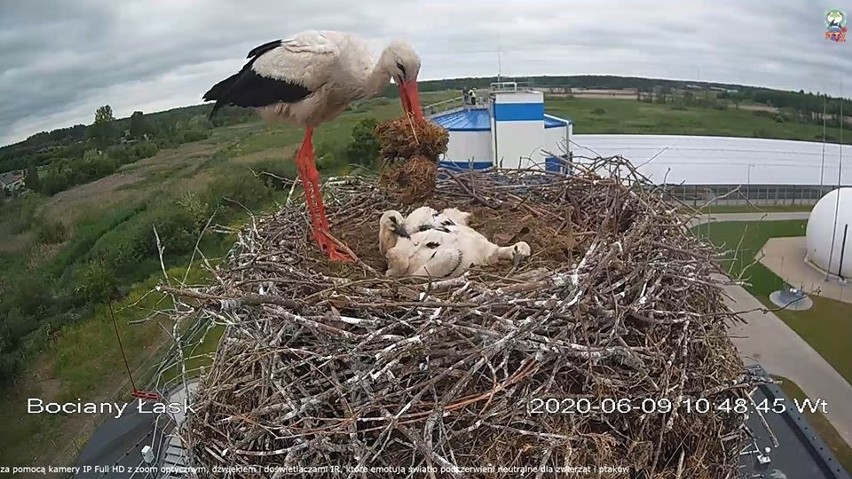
[
  {"x": 335, "y": 255},
  {"x": 329, "y": 246}
]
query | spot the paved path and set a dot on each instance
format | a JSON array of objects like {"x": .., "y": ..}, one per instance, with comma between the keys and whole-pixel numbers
[
  {"x": 780, "y": 350},
  {"x": 769, "y": 341},
  {"x": 784, "y": 257}
]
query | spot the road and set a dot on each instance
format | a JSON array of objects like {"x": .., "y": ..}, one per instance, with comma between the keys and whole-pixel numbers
[{"x": 766, "y": 339}]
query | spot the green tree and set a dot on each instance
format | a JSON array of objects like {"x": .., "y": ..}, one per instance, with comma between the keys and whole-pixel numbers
[
  {"x": 31, "y": 180},
  {"x": 363, "y": 148},
  {"x": 102, "y": 132},
  {"x": 200, "y": 122},
  {"x": 96, "y": 281},
  {"x": 140, "y": 126}
]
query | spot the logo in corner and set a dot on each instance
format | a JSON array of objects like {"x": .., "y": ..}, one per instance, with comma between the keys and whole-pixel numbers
[{"x": 835, "y": 24}]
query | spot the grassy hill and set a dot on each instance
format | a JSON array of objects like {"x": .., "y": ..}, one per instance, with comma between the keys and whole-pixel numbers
[{"x": 64, "y": 254}]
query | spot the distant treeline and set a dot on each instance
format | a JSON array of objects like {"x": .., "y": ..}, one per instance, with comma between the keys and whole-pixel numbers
[
  {"x": 171, "y": 127},
  {"x": 165, "y": 129},
  {"x": 803, "y": 106}
]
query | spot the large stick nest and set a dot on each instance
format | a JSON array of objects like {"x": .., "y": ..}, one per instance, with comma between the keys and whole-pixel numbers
[{"x": 336, "y": 365}]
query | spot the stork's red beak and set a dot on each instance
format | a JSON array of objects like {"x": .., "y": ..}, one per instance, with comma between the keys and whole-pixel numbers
[{"x": 410, "y": 98}]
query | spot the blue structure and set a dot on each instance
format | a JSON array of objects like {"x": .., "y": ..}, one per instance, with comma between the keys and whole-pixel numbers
[{"x": 509, "y": 130}]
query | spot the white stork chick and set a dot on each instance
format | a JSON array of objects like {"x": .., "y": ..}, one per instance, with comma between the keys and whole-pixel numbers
[
  {"x": 480, "y": 251},
  {"x": 425, "y": 217},
  {"x": 309, "y": 79},
  {"x": 422, "y": 254},
  {"x": 439, "y": 254},
  {"x": 391, "y": 227}
]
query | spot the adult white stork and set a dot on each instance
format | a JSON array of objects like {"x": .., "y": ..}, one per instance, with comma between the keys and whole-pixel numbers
[{"x": 310, "y": 78}]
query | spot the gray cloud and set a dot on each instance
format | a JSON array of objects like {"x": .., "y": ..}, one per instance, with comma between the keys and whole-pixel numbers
[{"x": 61, "y": 59}]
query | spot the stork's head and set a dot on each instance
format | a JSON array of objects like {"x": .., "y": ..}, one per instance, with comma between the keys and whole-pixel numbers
[
  {"x": 392, "y": 221},
  {"x": 390, "y": 229},
  {"x": 403, "y": 64}
]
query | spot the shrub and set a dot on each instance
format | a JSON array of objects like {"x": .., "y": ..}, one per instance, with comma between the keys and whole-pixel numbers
[
  {"x": 56, "y": 180},
  {"x": 197, "y": 209},
  {"x": 194, "y": 135},
  {"x": 145, "y": 149},
  {"x": 764, "y": 113},
  {"x": 95, "y": 164},
  {"x": 121, "y": 154},
  {"x": 51, "y": 232},
  {"x": 241, "y": 186},
  {"x": 20, "y": 214},
  {"x": 363, "y": 148},
  {"x": 95, "y": 281},
  {"x": 177, "y": 229},
  {"x": 331, "y": 155},
  {"x": 125, "y": 244},
  {"x": 280, "y": 168}
]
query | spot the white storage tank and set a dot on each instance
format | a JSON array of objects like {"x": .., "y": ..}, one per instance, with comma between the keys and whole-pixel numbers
[{"x": 829, "y": 239}]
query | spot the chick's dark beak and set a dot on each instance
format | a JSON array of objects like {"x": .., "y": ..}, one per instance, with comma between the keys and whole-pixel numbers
[{"x": 400, "y": 231}]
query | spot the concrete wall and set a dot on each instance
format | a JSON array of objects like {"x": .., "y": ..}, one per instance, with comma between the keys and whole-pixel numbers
[
  {"x": 465, "y": 146},
  {"x": 555, "y": 140}
]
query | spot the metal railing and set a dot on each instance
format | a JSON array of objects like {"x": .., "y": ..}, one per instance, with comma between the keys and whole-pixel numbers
[
  {"x": 483, "y": 96},
  {"x": 510, "y": 86}
]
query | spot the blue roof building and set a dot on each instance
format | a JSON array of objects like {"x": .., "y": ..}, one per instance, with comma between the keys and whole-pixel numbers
[{"x": 507, "y": 129}]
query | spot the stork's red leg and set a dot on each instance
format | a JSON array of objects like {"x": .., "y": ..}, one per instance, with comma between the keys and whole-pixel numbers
[
  {"x": 302, "y": 159},
  {"x": 317, "y": 210}
]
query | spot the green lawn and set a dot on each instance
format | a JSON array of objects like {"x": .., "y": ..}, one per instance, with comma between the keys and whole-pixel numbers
[
  {"x": 634, "y": 117},
  {"x": 827, "y": 326},
  {"x": 826, "y": 431}
]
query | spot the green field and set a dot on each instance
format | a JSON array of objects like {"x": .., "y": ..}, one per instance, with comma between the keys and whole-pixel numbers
[
  {"x": 75, "y": 355},
  {"x": 633, "y": 117}
]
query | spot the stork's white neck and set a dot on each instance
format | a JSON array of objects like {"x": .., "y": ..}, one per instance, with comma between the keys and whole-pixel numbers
[{"x": 379, "y": 78}]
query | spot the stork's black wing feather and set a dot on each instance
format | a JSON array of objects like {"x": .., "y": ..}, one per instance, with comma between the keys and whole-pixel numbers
[
  {"x": 249, "y": 89},
  {"x": 260, "y": 50}
]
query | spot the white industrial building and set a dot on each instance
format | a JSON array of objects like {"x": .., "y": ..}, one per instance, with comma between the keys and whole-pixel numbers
[
  {"x": 722, "y": 160},
  {"x": 509, "y": 129},
  {"x": 705, "y": 168},
  {"x": 828, "y": 236}
]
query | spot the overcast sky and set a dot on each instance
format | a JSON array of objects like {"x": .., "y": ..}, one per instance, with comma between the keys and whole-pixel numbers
[{"x": 61, "y": 59}]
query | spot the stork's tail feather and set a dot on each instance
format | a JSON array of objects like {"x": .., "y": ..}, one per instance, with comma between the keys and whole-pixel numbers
[{"x": 218, "y": 92}]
